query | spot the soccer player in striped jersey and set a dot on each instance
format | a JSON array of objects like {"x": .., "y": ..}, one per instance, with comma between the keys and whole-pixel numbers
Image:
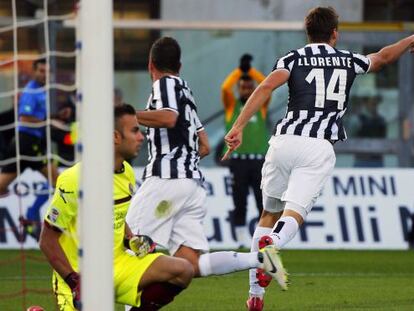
[
  {"x": 300, "y": 157},
  {"x": 169, "y": 205},
  {"x": 146, "y": 281}
]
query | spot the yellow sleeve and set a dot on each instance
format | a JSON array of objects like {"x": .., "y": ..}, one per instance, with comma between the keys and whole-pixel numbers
[
  {"x": 256, "y": 75},
  {"x": 227, "y": 92},
  {"x": 64, "y": 205},
  {"x": 259, "y": 77}
]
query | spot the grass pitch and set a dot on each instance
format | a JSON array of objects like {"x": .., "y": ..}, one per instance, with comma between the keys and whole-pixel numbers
[{"x": 320, "y": 280}]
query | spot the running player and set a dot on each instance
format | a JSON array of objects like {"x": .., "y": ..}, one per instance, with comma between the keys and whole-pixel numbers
[
  {"x": 169, "y": 205},
  {"x": 300, "y": 157}
]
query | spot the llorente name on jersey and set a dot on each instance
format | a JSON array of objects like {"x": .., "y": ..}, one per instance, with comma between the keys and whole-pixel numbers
[{"x": 327, "y": 61}]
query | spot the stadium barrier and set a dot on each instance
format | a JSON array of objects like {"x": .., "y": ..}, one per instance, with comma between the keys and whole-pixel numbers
[{"x": 358, "y": 209}]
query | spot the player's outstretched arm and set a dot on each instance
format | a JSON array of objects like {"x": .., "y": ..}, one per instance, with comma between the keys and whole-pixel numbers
[
  {"x": 164, "y": 118},
  {"x": 259, "y": 97},
  {"x": 390, "y": 53}
]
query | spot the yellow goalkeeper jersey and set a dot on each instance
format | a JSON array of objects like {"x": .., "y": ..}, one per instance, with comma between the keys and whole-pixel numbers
[{"x": 62, "y": 212}]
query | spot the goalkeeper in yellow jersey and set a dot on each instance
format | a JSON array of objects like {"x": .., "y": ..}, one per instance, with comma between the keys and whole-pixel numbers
[{"x": 144, "y": 281}]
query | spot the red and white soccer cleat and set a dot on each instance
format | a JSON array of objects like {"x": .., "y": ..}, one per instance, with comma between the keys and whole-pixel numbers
[
  {"x": 265, "y": 241},
  {"x": 254, "y": 303},
  {"x": 263, "y": 279}
]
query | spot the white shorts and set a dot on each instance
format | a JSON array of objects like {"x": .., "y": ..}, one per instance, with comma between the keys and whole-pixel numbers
[
  {"x": 171, "y": 212},
  {"x": 296, "y": 168}
]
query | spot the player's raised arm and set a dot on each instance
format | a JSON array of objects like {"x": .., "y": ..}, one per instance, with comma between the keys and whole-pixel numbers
[
  {"x": 227, "y": 95},
  {"x": 259, "y": 97},
  {"x": 390, "y": 53}
]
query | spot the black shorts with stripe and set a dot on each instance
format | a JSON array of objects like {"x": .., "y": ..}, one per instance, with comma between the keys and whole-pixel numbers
[{"x": 31, "y": 146}]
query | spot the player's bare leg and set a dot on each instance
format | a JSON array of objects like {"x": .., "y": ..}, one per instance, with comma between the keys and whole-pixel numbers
[
  {"x": 162, "y": 281},
  {"x": 168, "y": 269},
  {"x": 192, "y": 255},
  {"x": 5, "y": 180}
]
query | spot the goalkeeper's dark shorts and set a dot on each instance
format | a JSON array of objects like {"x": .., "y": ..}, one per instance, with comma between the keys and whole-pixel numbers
[
  {"x": 128, "y": 271},
  {"x": 29, "y": 146}
]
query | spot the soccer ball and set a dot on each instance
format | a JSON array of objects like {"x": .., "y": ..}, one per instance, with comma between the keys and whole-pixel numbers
[{"x": 35, "y": 308}]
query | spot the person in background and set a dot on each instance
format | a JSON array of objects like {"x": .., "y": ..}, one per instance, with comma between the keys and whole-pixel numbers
[
  {"x": 62, "y": 134},
  {"x": 369, "y": 123},
  {"x": 32, "y": 111},
  {"x": 246, "y": 163}
]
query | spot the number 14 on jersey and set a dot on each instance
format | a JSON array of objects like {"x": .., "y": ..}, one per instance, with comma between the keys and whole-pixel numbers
[{"x": 327, "y": 92}]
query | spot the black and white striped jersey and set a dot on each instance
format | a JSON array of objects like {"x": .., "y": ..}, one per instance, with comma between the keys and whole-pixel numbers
[
  {"x": 319, "y": 84},
  {"x": 173, "y": 152}
]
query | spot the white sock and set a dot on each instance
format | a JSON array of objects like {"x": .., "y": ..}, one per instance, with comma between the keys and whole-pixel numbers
[
  {"x": 284, "y": 230},
  {"x": 226, "y": 262},
  {"x": 255, "y": 289},
  {"x": 241, "y": 235}
]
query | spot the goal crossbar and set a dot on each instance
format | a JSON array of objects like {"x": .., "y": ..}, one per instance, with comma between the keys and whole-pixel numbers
[{"x": 242, "y": 25}]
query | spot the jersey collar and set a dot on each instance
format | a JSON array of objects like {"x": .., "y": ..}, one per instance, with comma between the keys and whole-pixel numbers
[{"x": 316, "y": 44}]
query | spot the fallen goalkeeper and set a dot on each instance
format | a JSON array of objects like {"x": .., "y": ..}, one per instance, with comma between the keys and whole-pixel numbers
[{"x": 142, "y": 279}]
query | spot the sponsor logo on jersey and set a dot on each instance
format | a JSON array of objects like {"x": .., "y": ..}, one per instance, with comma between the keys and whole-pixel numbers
[{"x": 53, "y": 215}]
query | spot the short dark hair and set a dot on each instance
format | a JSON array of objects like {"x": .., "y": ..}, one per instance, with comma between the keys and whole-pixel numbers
[
  {"x": 120, "y": 111},
  {"x": 37, "y": 62},
  {"x": 320, "y": 24},
  {"x": 166, "y": 54}
]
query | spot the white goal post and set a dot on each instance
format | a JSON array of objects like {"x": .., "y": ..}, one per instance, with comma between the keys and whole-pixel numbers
[{"x": 96, "y": 121}]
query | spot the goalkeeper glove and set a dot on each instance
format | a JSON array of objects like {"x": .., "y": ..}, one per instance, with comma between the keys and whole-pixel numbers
[
  {"x": 73, "y": 280},
  {"x": 141, "y": 245}
]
